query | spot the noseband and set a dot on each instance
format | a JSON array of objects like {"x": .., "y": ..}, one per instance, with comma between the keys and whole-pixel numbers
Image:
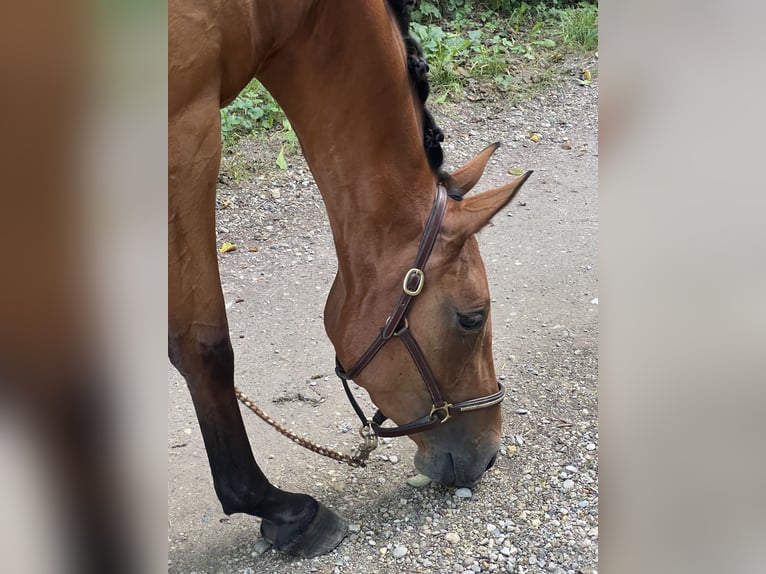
[{"x": 397, "y": 326}]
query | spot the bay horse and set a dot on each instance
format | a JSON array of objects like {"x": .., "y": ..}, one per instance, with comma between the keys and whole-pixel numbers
[{"x": 352, "y": 83}]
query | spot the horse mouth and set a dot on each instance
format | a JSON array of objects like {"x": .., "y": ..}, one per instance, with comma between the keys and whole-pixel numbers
[{"x": 446, "y": 470}]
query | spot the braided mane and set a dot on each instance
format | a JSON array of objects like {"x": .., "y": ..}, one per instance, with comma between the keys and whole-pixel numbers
[{"x": 418, "y": 71}]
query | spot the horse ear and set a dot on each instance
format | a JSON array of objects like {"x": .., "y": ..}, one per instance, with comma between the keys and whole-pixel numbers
[
  {"x": 466, "y": 176},
  {"x": 473, "y": 213}
]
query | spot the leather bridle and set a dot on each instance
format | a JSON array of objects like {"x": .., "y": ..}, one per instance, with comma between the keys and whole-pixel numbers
[{"x": 397, "y": 326}]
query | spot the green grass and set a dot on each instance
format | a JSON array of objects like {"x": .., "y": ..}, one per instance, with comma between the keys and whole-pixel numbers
[{"x": 579, "y": 27}]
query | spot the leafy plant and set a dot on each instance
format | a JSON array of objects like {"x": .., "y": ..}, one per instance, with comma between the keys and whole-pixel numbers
[{"x": 254, "y": 109}]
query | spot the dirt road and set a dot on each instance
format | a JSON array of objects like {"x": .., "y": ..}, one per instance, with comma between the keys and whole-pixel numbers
[{"x": 537, "y": 509}]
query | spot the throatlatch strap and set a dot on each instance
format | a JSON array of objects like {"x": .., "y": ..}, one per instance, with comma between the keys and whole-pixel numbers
[
  {"x": 343, "y": 378},
  {"x": 430, "y": 234}
]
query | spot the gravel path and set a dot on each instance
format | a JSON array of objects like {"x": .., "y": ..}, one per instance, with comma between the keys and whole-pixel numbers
[{"x": 537, "y": 509}]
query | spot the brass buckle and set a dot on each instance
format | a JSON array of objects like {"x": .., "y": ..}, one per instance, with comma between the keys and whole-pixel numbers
[
  {"x": 421, "y": 281},
  {"x": 445, "y": 407}
]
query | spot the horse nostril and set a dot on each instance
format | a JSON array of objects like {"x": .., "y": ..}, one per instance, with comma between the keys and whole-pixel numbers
[{"x": 492, "y": 461}]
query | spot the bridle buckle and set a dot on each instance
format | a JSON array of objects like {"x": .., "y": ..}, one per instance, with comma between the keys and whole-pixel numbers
[
  {"x": 445, "y": 408},
  {"x": 417, "y": 273}
]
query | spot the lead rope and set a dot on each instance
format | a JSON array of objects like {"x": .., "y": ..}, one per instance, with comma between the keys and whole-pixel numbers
[{"x": 358, "y": 459}]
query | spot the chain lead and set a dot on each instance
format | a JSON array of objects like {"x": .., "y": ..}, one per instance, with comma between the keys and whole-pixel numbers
[{"x": 358, "y": 459}]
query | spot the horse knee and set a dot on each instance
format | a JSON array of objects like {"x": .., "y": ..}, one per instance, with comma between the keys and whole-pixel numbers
[{"x": 206, "y": 358}]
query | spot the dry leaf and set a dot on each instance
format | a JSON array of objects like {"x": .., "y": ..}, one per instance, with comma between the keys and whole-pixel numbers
[
  {"x": 535, "y": 137},
  {"x": 253, "y": 248},
  {"x": 586, "y": 75},
  {"x": 515, "y": 171},
  {"x": 227, "y": 246},
  {"x": 226, "y": 204}
]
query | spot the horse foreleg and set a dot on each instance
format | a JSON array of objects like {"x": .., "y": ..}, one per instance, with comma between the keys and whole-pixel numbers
[{"x": 200, "y": 347}]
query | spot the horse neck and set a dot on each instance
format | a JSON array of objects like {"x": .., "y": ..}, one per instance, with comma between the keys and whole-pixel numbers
[{"x": 343, "y": 83}]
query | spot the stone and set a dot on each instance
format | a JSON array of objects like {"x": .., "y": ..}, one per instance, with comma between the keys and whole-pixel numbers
[{"x": 419, "y": 481}]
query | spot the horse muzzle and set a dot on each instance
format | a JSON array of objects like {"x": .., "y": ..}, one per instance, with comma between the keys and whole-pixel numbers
[{"x": 456, "y": 460}]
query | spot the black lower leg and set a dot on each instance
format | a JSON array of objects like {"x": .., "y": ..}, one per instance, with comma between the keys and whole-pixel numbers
[{"x": 240, "y": 484}]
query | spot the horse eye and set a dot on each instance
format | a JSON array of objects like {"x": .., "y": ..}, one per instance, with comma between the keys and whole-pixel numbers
[{"x": 471, "y": 321}]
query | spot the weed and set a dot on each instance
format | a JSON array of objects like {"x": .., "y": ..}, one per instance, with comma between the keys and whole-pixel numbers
[
  {"x": 236, "y": 167},
  {"x": 253, "y": 110},
  {"x": 579, "y": 27}
]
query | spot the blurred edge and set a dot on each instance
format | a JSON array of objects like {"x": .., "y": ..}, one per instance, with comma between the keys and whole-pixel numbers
[
  {"x": 83, "y": 290},
  {"x": 683, "y": 246},
  {"x": 82, "y": 296}
]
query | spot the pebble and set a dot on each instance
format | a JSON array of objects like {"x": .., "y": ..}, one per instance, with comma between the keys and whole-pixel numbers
[
  {"x": 521, "y": 411},
  {"x": 463, "y": 493},
  {"x": 261, "y": 546},
  {"x": 568, "y": 484},
  {"x": 452, "y": 537},
  {"x": 354, "y": 528},
  {"x": 399, "y": 551},
  {"x": 419, "y": 481},
  {"x": 590, "y": 446},
  {"x": 393, "y": 458}
]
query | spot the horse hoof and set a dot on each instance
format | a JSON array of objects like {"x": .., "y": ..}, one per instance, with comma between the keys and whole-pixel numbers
[{"x": 324, "y": 533}]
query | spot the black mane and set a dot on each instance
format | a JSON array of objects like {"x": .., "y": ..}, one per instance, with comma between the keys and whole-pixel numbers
[{"x": 418, "y": 71}]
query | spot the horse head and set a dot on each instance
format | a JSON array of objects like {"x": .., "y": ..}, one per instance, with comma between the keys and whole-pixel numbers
[{"x": 432, "y": 372}]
